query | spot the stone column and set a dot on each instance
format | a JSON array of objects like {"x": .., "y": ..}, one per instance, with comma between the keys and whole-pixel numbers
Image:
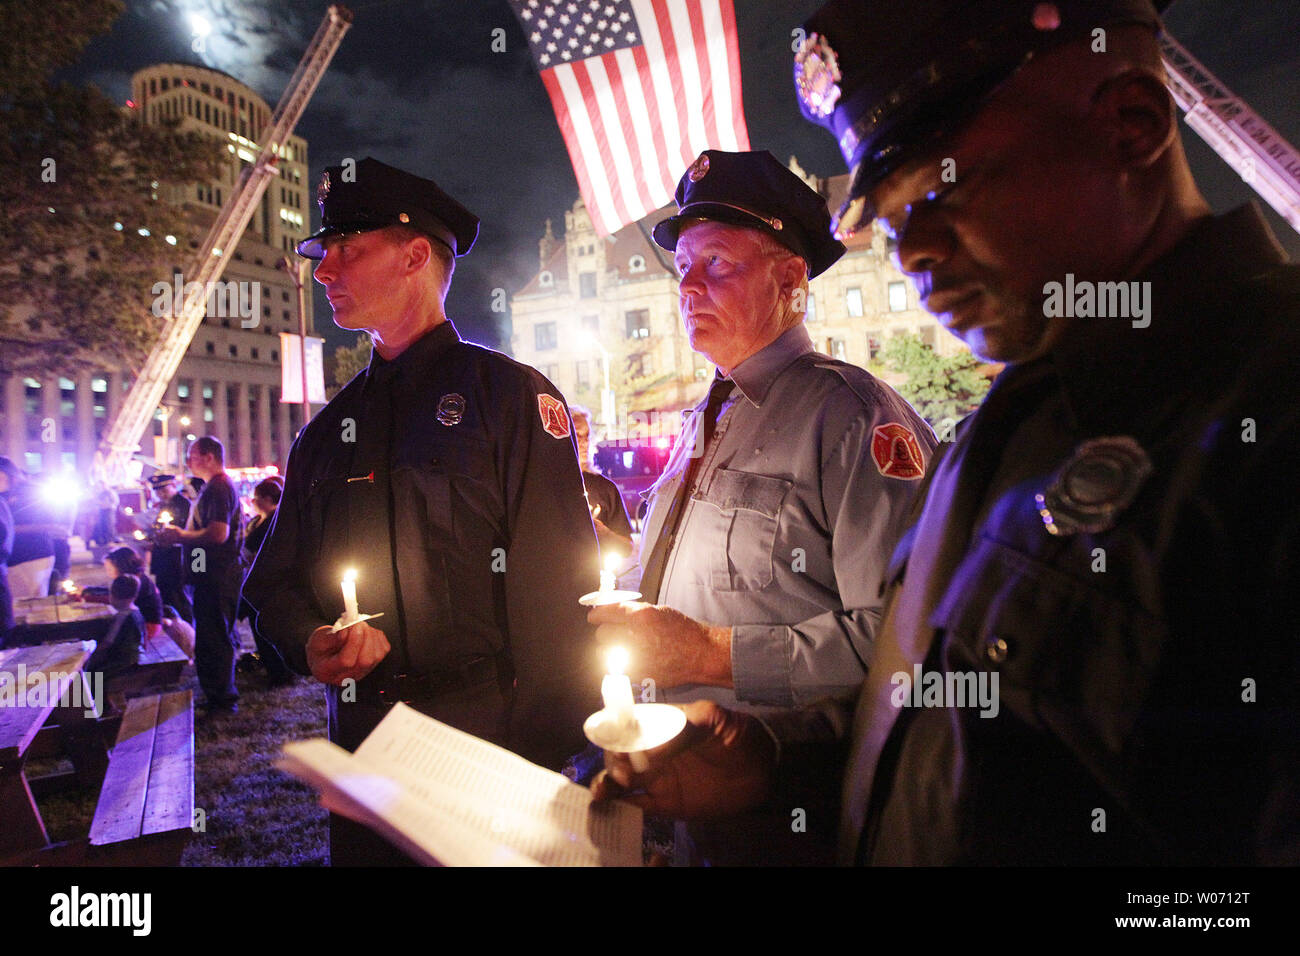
[
  {"x": 221, "y": 413},
  {"x": 15, "y": 419},
  {"x": 286, "y": 435},
  {"x": 50, "y": 409},
  {"x": 242, "y": 444},
  {"x": 265, "y": 448},
  {"x": 85, "y": 423}
]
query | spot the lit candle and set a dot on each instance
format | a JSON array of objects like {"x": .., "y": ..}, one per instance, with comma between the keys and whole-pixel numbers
[
  {"x": 137, "y": 534},
  {"x": 68, "y": 586},
  {"x": 607, "y": 573},
  {"x": 350, "y": 612},
  {"x": 616, "y": 689},
  {"x": 164, "y": 518}
]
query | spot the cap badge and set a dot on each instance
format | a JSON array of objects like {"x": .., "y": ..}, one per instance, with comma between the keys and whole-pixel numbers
[
  {"x": 322, "y": 190},
  {"x": 403, "y": 217},
  {"x": 451, "y": 409},
  {"x": 817, "y": 75},
  {"x": 698, "y": 169},
  {"x": 1099, "y": 481}
]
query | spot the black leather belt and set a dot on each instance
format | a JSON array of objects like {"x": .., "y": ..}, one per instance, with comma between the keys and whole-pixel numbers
[{"x": 414, "y": 686}]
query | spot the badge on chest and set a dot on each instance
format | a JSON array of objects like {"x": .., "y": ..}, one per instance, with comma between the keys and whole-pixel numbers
[{"x": 1100, "y": 480}]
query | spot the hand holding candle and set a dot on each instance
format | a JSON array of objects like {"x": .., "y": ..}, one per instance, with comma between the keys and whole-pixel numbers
[{"x": 625, "y": 726}]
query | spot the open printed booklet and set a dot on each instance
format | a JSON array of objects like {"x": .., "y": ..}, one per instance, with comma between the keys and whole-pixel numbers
[{"x": 448, "y": 798}]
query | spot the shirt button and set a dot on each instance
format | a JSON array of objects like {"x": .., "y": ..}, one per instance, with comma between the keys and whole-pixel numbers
[{"x": 995, "y": 649}]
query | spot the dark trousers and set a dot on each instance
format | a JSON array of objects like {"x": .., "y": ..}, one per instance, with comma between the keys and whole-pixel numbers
[
  {"x": 482, "y": 711},
  {"x": 215, "y": 643}
]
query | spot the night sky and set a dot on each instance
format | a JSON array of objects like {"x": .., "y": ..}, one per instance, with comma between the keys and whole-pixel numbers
[{"x": 416, "y": 84}]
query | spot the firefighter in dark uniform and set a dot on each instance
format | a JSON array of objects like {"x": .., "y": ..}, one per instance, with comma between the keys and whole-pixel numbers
[
  {"x": 445, "y": 476},
  {"x": 1109, "y": 546},
  {"x": 167, "y": 564}
]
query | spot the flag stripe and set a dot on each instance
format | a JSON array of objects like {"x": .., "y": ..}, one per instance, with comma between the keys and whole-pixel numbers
[
  {"x": 690, "y": 97},
  {"x": 672, "y": 93},
  {"x": 595, "y": 196},
  {"x": 599, "y": 154},
  {"x": 708, "y": 93},
  {"x": 632, "y": 103},
  {"x": 668, "y": 171},
  {"x": 737, "y": 125},
  {"x": 617, "y": 120}
]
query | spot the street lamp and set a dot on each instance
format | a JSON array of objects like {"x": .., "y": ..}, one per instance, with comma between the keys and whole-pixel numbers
[{"x": 591, "y": 340}]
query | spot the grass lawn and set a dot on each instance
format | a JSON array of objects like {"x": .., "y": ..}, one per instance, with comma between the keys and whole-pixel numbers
[{"x": 253, "y": 815}]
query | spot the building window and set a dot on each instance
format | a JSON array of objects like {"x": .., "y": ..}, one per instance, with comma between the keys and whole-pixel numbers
[
  {"x": 545, "y": 279},
  {"x": 873, "y": 348},
  {"x": 587, "y": 285},
  {"x": 837, "y": 349},
  {"x": 636, "y": 264},
  {"x": 641, "y": 365},
  {"x": 255, "y": 355},
  {"x": 275, "y": 355},
  {"x": 853, "y": 302},
  {"x": 207, "y": 415},
  {"x": 580, "y": 374},
  {"x": 544, "y": 336},
  {"x": 897, "y": 296},
  {"x": 637, "y": 323},
  {"x": 234, "y": 351},
  {"x": 812, "y": 307},
  {"x": 183, "y": 390},
  {"x": 211, "y": 348}
]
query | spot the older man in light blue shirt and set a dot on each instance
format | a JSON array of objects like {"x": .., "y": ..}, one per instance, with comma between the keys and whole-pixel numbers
[{"x": 769, "y": 533}]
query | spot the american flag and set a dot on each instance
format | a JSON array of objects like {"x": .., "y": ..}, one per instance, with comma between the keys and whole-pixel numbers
[{"x": 640, "y": 88}]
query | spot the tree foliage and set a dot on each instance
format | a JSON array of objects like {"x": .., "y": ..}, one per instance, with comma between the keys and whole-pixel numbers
[
  {"x": 348, "y": 360},
  {"x": 83, "y": 178},
  {"x": 938, "y": 386}
]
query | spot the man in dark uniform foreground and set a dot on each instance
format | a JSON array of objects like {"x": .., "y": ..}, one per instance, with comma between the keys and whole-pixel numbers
[
  {"x": 445, "y": 476},
  {"x": 1109, "y": 547}
]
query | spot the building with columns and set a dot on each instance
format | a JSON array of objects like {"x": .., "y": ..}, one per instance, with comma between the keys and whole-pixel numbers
[
  {"x": 228, "y": 383},
  {"x": 614, "y": 300}
]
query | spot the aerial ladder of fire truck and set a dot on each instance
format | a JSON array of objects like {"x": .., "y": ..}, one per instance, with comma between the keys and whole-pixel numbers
[
  {"x": 122, "y": 438},
  {"x": 1267, "y": 162}
]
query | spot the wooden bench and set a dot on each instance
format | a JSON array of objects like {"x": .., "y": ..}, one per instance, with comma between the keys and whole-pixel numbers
[
  {"x": 146, "y": 805},
  {"x": 160, "y": 666}
]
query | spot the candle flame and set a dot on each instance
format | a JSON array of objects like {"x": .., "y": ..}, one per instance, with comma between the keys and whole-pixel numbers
[
  {"x": 612, "y": 561},
  {"x": 616, "y": 660},
  {"x": 350, "y": 574},
  {"x": 138, "y": 535},
  {"x": 165, "y": 517}
]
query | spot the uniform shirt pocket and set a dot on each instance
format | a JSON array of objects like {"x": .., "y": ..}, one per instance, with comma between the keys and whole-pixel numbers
[
  {"x": 1071, "y": 656},
  {"x": 747, "y": 511},
  {"x": 451, "y": 481}
]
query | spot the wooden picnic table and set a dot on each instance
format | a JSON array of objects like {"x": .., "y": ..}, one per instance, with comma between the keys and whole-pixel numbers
[
  {"x": 47, "y": 620},
  {"x": 36, "y": 683}
]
